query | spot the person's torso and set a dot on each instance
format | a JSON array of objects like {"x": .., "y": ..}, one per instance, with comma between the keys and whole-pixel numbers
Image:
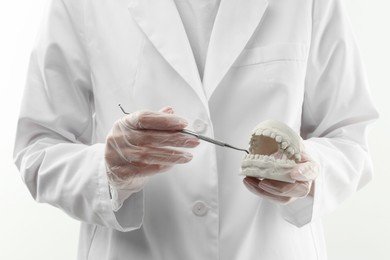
[{"x": 254, "y": 71}]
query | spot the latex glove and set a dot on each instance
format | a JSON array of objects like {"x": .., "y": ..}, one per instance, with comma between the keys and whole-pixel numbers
[
  {"x": 137, "y": 147},
  {"x": 304, "y": 173}
]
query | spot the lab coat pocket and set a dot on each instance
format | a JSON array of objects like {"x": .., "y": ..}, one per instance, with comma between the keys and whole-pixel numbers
[
  {"x": 282, "y": 52},
  {"x": 276, "y": 71}
]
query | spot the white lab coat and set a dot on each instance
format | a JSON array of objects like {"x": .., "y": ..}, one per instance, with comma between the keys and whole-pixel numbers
[{"x": 293, "y": 61}]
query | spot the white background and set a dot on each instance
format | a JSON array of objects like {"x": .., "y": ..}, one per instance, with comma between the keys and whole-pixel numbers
[{"x": 358, "y": 230}]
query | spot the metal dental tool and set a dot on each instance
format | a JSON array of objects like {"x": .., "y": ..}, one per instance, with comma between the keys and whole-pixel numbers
[
  {"x": 210, "y": 140},
  {"x": 202, "y": 137}
]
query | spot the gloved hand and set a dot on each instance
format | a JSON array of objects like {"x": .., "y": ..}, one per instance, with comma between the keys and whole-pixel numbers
[
  {"x": 136, "y": 147},
  {"x": 305, "y": 172}
]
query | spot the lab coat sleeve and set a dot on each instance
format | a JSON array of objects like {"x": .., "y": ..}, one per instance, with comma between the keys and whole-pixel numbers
[
  {"x": 54, "y": 147},
  {"x": 337, "y": 112}
]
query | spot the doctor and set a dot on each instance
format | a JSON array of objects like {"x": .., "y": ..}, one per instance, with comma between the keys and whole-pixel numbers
[{"x": 144, "y": 191}]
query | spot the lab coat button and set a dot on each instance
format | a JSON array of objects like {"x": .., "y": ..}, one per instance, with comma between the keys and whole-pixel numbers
[
  {"x": 199, "y": 126},
  {"x": 200, "y": 208}
]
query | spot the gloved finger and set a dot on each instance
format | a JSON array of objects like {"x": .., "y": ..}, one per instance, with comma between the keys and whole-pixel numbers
[
  {"x": 153, "y": 120},
  {"x": 306, "y": 171},
  {"x": 160, "y": 138},
  {"x": 252, "y": 185},
  {"x": 155, "y": 155},
  {"x": 168, "y": 110},
  {"x": 279, "y": 188}
]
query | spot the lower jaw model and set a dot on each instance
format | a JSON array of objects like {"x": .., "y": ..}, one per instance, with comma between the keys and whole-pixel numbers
[{"x": 274, "y": 151}]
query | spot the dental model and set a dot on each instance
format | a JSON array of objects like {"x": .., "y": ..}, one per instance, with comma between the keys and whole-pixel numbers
[{"x": 274, "y": 151}]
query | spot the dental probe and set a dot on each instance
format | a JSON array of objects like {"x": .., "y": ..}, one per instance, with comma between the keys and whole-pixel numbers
[
  {"x": 201, "y": 137},
  {"x": 210, "y": 140}
]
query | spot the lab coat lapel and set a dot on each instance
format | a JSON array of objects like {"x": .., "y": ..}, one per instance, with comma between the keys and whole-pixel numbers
[
  {"x": 161, "y": 23},
  {"x": 235, "y": 23}
]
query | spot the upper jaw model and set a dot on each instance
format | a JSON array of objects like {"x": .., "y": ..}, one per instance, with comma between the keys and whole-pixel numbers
[{"x": 274, "y": 151}]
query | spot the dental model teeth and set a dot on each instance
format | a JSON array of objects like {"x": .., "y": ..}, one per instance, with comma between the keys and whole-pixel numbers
[
  {"x": 267, "y": 133},
  {"x": 274, "y": 151}
]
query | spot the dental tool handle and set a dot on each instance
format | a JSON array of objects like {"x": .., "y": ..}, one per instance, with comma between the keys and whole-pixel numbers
[
  {"x": 202, "y": 137},
  {"x": 210, "y": 140}
]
